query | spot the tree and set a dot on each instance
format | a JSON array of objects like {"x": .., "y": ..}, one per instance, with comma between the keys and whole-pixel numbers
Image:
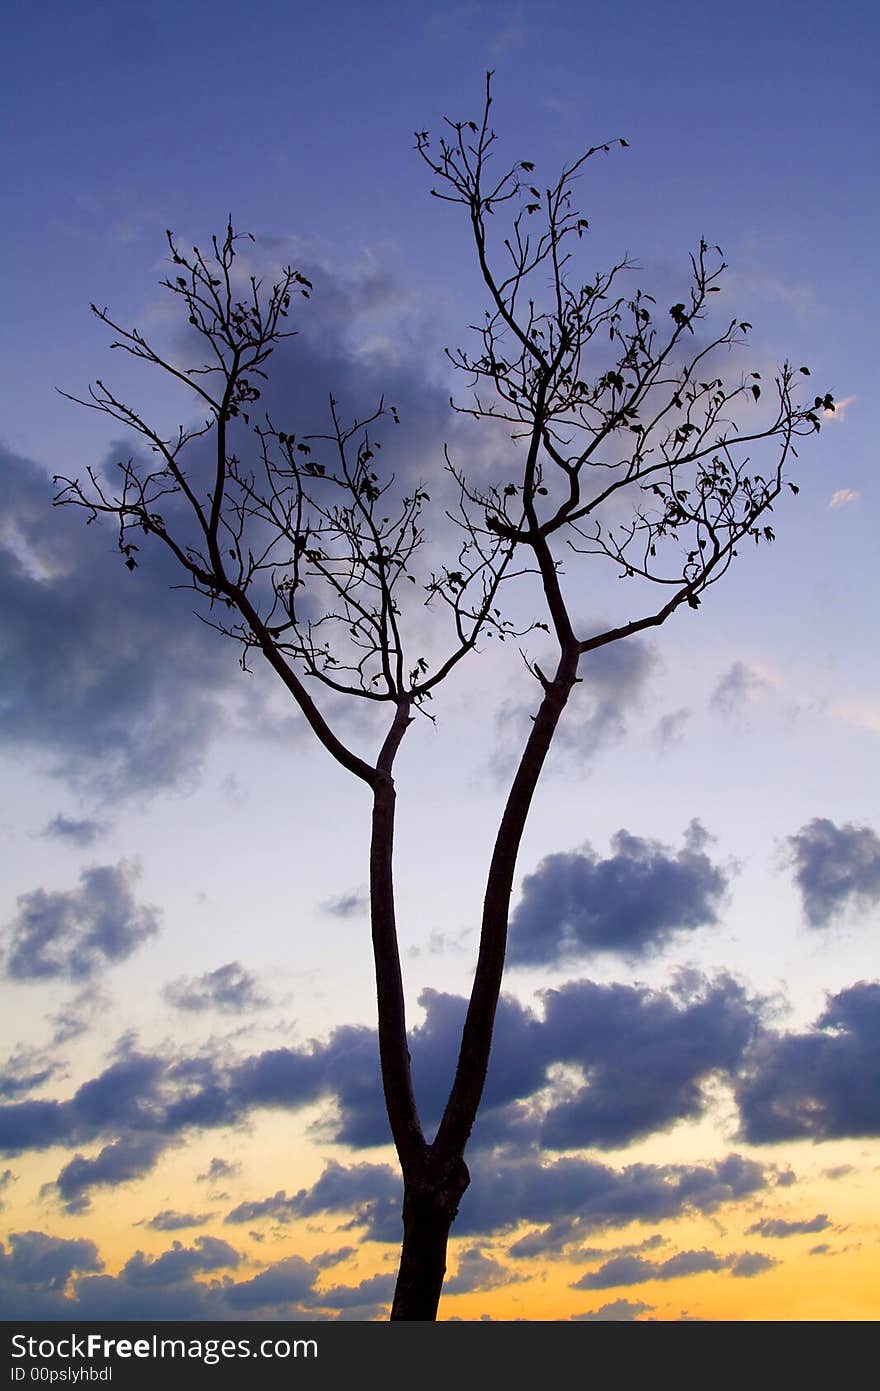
[{"x": 306, "y": 549}]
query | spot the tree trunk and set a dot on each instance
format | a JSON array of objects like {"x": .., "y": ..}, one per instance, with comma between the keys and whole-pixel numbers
[{"x": 430, "y": 1203}]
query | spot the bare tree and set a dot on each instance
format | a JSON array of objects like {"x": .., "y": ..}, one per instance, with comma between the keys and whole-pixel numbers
[{"x": 305, "y": 547}]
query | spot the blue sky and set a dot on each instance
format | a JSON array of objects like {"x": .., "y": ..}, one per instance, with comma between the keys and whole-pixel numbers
[{"x": 181, "y": 905}]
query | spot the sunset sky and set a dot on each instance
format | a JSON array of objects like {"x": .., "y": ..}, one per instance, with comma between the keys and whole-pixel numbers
[{"x": 683, "y": 1108}]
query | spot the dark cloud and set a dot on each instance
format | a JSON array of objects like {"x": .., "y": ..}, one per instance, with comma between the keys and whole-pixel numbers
[
  {"x": 76, "y": 1016},
  {"x": 353, "y": 904},
  {"x": 127, "y": 1158},
  {"x": 46, "y": 1263},
  {"x": 170, "y": 1221},
  {"x": 612, "y": 682},
  {"x": 230, "y": 989},
  {"x": 669, "y": 729},
  {"x": 576, "y": 904},
  {"x": 141, "y": 1103},
  {"x": 373, "y": 1293},
  {"x": 835, "y": 868},
  {"x": 619, "y": 1310},
  {"x": 25, "y": 1070},
  {"x": 647, "y": 1055},
  {"x": 327, "y": 1259},
  {"x": 736, "y": 689},
  {"x": 81, "y": 833},
  {"x": 780, "y": 1226},
  {"x": 556, "y": 1239},
  {"x": 506, "y": 1192},
  {"x": 748, "y": 1264},
  {"x": 180, "y": 1262},
  {"x": 7, "y": 1178},
  {"x": 635, "y": 1270},
  {"x": 135, "y": 686},
  {"x": 278, "y": 1206},
  {"x": 369, "y": 1195},
  {"x": 218, "y": 1170},
  {"x": 289, "y": 1281},
  {"x": 823, "y": 1084},
  {"x": 644, "y": 1057},
  {"x": 73, "y": 934},
  {"x": 477, "y": 1271},
  {"x": 47, "y": 1277}
]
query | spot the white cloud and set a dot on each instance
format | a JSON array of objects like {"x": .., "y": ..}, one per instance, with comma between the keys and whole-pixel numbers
[
  {"x": 840, "y": 408},
  {"x": 843, "y": 496}
]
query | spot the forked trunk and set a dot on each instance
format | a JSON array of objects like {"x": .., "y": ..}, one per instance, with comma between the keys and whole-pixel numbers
[{"x": 430, "y": 1203}]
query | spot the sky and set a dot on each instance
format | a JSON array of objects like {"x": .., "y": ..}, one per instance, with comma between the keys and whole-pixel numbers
[{"x": 682, "y": 1112}]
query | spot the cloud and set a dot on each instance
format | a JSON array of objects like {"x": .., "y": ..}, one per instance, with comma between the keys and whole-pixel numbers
[
  {"x": 612, "y": 679},
  {"x": 291, "y": 1280},
  {"x": 737, "y": 688},
  {"x": 180, "y": 1262},
  {"x": 669, "y": 729},
  {"x": 353, "y": 904},
  {"x": 748, "y": 1264},
  {"x": 619, "y": 1310},
  {"x": 7, "y": 1178},
  {"x": 373, "y": 1293},
  {"x": 74, "y": 1018},
  {"x": 780, "y": 1226},
  {"x": 612, "y": 682},
  {"x": 823, "y": 1084},
  {"x": 370, "y": 1195},
  {"x": 645, "y": 1057},
  {"x": 25, "y": 1070},
  {"x": 593, "y": 1197},
  {"x": 230, "y": 989},
  {"x": 219, "y": 1169},
  {"x": 45, "y": 1263},
  {"x": 477, "y": 1271},
  {"x": 635, "y": 1270},
  {"x": 632, "y": 903},
  {"x": 129, "y": 1157},
  {"x": 507, "y": 1191},
  {"x": 842, "y": 497},
  {"x": 135, "y": 687},
  {"x": 48, "y": 1277},
  {"x": 557, "y": 1238},
  {"x": 170, "y": 1221},
  {"x": 81, "y": 833},
  {"x": 836, "y": 868},
  {"x": 840, "y": 409},
  {"x": 73, "y": 934}
]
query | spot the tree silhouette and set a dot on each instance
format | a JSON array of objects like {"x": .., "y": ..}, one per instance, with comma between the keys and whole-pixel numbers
[{"x": 625, "y": 448}]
